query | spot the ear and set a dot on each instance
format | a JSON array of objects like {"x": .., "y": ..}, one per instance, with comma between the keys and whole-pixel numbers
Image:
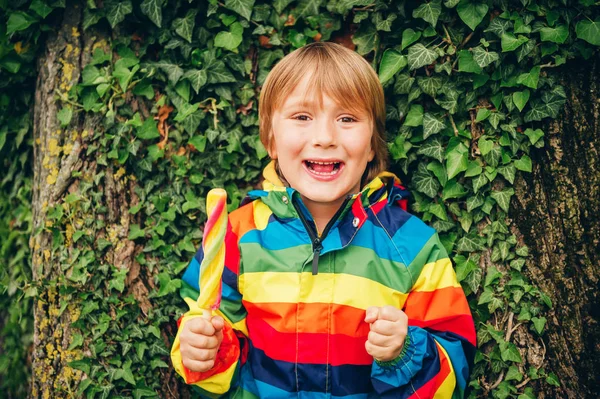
[
  {"x": 371, "y": 153},
  {"x": 271, "y": 148}
]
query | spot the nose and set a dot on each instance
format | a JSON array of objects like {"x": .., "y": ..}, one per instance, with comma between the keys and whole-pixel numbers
[{"x": 325, "y": 133}]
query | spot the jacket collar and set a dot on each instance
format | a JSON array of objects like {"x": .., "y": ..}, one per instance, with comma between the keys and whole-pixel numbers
[{"x": 384, "y": 189}]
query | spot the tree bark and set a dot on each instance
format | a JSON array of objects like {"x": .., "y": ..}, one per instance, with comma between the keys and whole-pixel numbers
[
  {"x": 59, "y": 153},
  {"x": 557, "y": 212}
]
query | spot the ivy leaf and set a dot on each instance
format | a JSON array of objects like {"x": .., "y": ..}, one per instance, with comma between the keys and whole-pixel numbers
[
  {"x": 433, "y": 148},
  {"x": 41, "y": 8},
  {"x": 482, "y": 114},
  {"x": 153, "y": 10},
  {"x": 391, "y": 63},
  {"x": 469, "y": 243},
  {"x": 365, "y": 39},
  {"x": 457, "y": 160},
  {"x": 403, "y": 83},
  {"x": 520, "y": 98},
  {"x": 472, "y": 14},
  {"x": 184, "y": 27},
  {"x": 197, "y": 78},
  {"x": 19, "y": 21},
  {"x": 174, "y": 72},
  {"x": 466, "y": 62},
  {"x": 483, "y": 57},
  {"x": 218, "y": 73},
  {"x": 425, "y": 182},
  {"x": 558, "y": 34},
  {"x": 431, "y": 125},
  {"x": 414, "y": 117},
  {"x": 430, "y": 12},
  {"x": 232, "y": 39},
  {"x": 524, "y": 164},
  {"x": 509, "y": 172},
  {"x": 509, "y": 352},
  {"x": 244, "y": 7},
  {"x": 117, "y": 10},
  {"x": 306, "y": 8},
  {"x": 534, "y": 135},
  {"x": 499, "y": 26},
  {"x": 148, "y": 130},
  {"x": 531, "y": 78},
  {"x": 503, "y": 198},
  {"x": 453, "y": 189},
  {"x": 478, "y": 182},
  {"x": 538, "y": 324},
  {"x": 589, "y": 31},
  {"x": 430, "y": 85},
  {"x": 64, "y": 116},
  {"x": 449, "y": 101},
  {"x": 510, "y": 43},
  {"x": 419, "y": 56},
  {"x": 409, "y": 36}
]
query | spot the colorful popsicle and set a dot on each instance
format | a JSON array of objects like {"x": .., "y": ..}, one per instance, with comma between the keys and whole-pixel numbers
[{"x": 213, "y": 243}]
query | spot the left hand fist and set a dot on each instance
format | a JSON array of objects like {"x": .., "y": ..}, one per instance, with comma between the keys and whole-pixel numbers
[{"x": 389, "y": 326}]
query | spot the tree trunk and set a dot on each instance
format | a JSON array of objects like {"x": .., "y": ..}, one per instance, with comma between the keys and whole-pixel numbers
[
  {"x": 62, "y": 166},
  {"x": 557, "y": 212}
]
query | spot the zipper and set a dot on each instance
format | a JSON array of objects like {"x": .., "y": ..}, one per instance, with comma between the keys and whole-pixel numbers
[{"x": 317, "y": 242}]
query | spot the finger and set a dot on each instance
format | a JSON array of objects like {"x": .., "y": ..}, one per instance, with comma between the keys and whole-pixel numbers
[
  {"x": 385, "y": 327},
  {"x": 199, "y": 354},
  {"x": 383, "y": 341},
  {"x": 377, "y": 352},
  {"x": 218, "y": 323},
  {"x": 199, "y": 325},
  {"x": 203, "y": 341},
  {"x": 371, "y": 314},
  {"x": 198, "y": 365},
  {"x": 390, "y": 313}
]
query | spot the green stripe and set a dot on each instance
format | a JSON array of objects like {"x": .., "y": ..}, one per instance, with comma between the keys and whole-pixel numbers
[
  {"x": 232, "y": 309},
  {"x": 353, "y": 260},
  {"x": 432, "y": 251}
]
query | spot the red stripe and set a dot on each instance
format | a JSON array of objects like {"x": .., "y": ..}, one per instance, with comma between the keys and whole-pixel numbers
[
  {"x": 232, "y": 251},
  {"x": 308, "y": 347},
  {"x": 461, "y": 325},
  {"x": 345, "y": 320},
  {"x": 213, "y": 217},
  {"x": 428, "y": 389}
]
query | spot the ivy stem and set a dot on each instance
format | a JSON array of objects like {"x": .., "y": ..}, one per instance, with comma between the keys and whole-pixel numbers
[
  {"x": 466, "y": 40},
  {"x": 453, "y": 125},
  {"x": 522, "y": 384},
  {"x": 447, "y": 34}
]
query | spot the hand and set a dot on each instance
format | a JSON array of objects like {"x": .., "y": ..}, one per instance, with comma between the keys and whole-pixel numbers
[
  {"x": 199, "y": 342},
  {"x": 389, "y": 326}
]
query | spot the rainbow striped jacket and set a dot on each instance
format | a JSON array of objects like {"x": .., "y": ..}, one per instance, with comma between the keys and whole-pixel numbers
[{"x": 294, "y": 301}]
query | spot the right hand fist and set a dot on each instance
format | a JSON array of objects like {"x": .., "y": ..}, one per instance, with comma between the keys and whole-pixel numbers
[{"x": 199, "y": 342}]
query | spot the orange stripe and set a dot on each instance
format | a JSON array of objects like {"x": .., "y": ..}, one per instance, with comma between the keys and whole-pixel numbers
[
  {"x": 242, "y": 220},
  {"x": 345, "y": 320},
  {"x": 437, "y": 304}
]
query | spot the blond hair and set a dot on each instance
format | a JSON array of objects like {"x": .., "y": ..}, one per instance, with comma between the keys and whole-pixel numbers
[{"x": 344, "y": 76}]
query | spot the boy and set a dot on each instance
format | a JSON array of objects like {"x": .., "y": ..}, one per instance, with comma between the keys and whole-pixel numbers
[{"x": 330, "y": 288}]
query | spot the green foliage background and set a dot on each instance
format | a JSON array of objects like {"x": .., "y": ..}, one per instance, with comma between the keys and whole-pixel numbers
[{"x": 467, "y": 85}]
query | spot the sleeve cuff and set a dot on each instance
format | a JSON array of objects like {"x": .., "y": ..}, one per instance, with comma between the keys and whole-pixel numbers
[{"x": 407, "y": 351}]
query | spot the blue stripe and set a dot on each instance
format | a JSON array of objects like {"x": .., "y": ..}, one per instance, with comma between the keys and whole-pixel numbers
[
  {"x": 374, "y": 237},
  {"x": 343, "y": 380},
  {"x": 191, "y": 273},
  {"x": 278, "y": 235},
  {"x": 411, "y": 238}
]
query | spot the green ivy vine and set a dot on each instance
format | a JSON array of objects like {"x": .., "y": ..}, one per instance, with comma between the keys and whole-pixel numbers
[{"x": 467, "y": 86}]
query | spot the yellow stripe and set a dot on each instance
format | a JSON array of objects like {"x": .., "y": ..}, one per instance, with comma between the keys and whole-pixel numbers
[
  {"x": 446, "y": 390},
  {"x": 219, "y": 383},
  {"x": 342, "y": 289},
  {"x": 436, "y": 275},
  {"x": 261, "y": 214}
]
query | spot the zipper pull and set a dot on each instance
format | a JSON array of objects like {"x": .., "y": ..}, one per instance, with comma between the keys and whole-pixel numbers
[{"x": 316, "y": 252}]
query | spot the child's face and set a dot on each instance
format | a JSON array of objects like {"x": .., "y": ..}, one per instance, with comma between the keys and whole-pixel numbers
[{"x": 322, "y": 153}]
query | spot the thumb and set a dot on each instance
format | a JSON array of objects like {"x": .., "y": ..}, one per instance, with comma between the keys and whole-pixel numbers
[
  {"x": 372, "y": 314},
  {"x": 218, "y": 323}
]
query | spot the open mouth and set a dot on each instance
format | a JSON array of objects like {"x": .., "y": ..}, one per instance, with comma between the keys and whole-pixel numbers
[{"x": 324, "y": 168}]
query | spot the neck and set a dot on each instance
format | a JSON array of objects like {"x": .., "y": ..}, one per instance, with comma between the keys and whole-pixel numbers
[{"x": 322, "y": 213}]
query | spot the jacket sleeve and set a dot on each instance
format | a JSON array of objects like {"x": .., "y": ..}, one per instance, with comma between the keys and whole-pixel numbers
[
  {"x": 440, "y": 345},
  {"x": 231, "y": 353}
]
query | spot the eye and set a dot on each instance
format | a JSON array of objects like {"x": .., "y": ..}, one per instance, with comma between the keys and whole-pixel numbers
[
  {"x": 300, "y": 117},
  {"x": 348, "y": 119}
]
